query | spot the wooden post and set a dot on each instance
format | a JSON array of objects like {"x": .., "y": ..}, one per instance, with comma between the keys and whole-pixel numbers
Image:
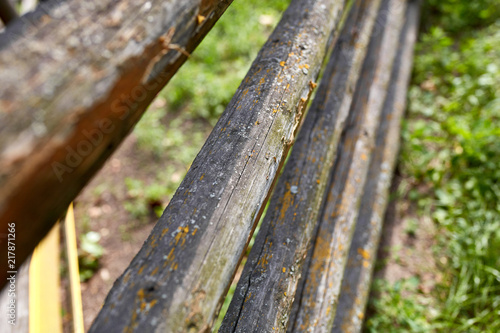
[
  {"x": 74, "y": 271},
  {"x": 44, "y": 296}
]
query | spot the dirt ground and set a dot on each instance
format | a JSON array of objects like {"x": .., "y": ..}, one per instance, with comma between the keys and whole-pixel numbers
[
  {"x": 405, "y": 250},
  {"x": 121, "y": 236},
  {"x": 407, "y": 242}
]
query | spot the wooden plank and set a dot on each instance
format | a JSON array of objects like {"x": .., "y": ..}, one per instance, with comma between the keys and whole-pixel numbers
[
  {"x": 76, "y": 77},
  {"x": 317, "y": 302},
  {"x": 266, "y": 289},
  {"x": 358, "y": 274},
  {"x": 44, "y": 287},
  {"x": 74, "y": 271},
  {"x": 178, "y": 279}
]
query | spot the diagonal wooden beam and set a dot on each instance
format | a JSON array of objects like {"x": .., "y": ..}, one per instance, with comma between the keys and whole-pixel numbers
[
  {"x": 357, "y": 278},
  {"x": 320, "y": 292},
  {"x": 268, "y": 285},
  {"x": 76, "y": 77}
]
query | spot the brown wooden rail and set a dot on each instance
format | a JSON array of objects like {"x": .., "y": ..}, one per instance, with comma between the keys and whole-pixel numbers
[{"x": 88, "y": 71}]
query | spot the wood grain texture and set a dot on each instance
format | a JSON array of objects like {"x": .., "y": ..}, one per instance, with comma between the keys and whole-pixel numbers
[
  {"x": 317, "y": 302},
  {"x": 76, "y": 77},
  {"x": 266, "y": 289},
  {"x": 178, "y": 279},
  {"x": 362, "y": 254}
]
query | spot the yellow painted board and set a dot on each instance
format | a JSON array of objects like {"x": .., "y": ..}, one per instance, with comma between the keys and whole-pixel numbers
[
  {"x": 44, "y": 296},
  {"x": 74, "y": 273}
]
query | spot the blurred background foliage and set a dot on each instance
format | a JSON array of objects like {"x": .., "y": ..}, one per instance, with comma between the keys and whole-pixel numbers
[
  {"x": 457, "y": 15},
  {"x": 207, "y": 83}
]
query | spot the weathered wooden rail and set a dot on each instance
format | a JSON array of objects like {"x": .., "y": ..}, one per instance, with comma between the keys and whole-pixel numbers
[
  {"x": 311, "y": 264},
  {"x": 362, "y": 254},
  {"x": 331, "y": 245},
  {"x": 267, "y": 287},
  {"x": 85, "y": 84}
]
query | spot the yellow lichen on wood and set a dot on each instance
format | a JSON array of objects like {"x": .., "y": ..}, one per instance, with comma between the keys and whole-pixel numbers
[
  {"x": 200, "y": 19},
  {"x": 364, "y": 253}
]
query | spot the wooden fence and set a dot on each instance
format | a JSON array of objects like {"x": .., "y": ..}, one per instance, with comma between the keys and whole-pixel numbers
[{"x": 99, "y": 65}]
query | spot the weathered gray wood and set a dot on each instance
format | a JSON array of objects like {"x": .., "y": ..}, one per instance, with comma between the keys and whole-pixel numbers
[
  {"x": 319, "y": 295},
  {"x": 177, "y": 281},
  {"x": 266, "y": 289},
  {"x": 76, "y": 77},
  {"x": 362, "y": 254}
]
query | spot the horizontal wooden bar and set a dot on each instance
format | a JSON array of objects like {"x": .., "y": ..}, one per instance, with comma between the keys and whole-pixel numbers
[
  {"x": 266, "y": 289},
  {"x": 322, "y": 281},
  {"x": 362, "y": 254},
  {"x": 76, "y": 77},
  {"x": 177, "y": 281}
]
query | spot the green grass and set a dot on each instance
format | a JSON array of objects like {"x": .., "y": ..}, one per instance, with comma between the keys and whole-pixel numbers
[
  {"x": 451, "y": 144},
  {"x": 144, "y": 200},
  {"x": 400, "y": 308},
  {"x": 89, "y": 253}
]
